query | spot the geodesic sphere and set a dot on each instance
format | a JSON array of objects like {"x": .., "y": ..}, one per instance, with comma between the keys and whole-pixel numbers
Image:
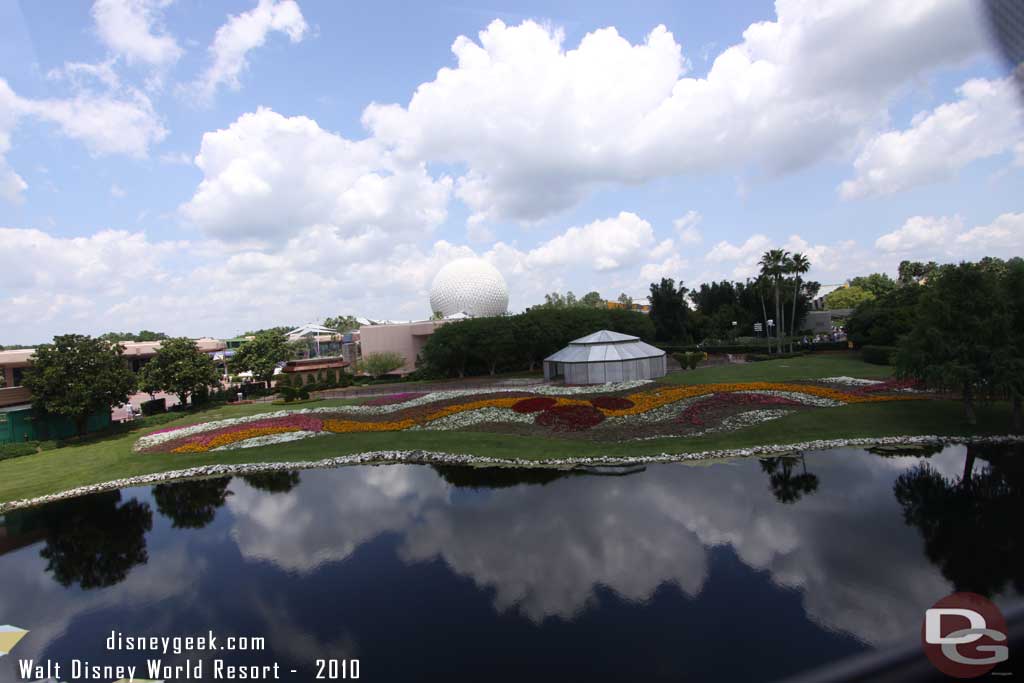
[{"x": 469, "y": 285}]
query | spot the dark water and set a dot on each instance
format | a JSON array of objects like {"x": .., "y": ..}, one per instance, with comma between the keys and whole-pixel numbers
[{"x": 749, "y": 570}]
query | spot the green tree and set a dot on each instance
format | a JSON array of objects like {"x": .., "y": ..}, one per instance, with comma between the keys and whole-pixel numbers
[
  {"x": 77, "y": 376},
  {"x": 848, "y": 297},
  {"x": 798, "y": 265},
  {"x": 884, "y": 320},
  {"x": 342, "y": 323},
  {"x": 669, "y": 310},
  {"x": 179, "y": 367},
  {"x": 382, "y": 362},
  {"x": 261, "y": 354},
  {"x": 913, "y": 272},
  {"x": 774, "y": 264},
  {"x": 961, "y": 324},
  {"x": 879, "y": 284},
  {"x": 592, "y": 300},
  {"x": 1010, "y": 356},
  {"x": 626, "y": 300}
]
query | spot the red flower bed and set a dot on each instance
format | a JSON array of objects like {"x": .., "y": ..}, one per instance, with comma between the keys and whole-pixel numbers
[
  {"x": 534, "y": 405},
  {"x": 611, "y": 402},
  {"x": 696, "y": 413},
  {"x": 570, "y": 418}
]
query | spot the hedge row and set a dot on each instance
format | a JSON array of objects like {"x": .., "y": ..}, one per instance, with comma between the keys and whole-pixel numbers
[{"x": 879, "y": 355}]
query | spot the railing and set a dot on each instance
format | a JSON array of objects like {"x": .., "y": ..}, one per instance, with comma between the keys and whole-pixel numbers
[{"x": 10, "y": 396}]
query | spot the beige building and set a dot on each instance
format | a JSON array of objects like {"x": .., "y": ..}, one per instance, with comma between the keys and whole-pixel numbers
[
  {"x": 136, "y": 354},
  {"x": 406, "y": 339}
]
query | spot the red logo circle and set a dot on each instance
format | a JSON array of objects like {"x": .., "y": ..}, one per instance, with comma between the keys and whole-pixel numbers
[{"x": 964, "y": 635}]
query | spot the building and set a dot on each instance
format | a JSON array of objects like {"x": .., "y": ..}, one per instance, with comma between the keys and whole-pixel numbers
[
  {"x": 311, "y": 369},
  {"x": 407, "y": 339},
  {"x": 818, "y": 302},
  {"x": 634, "y": 306},
  {"x": 605, "y": 356},
  {"x": 17, "y": 421}
]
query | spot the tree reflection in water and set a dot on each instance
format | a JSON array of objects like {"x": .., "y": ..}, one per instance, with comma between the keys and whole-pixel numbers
[
  {"x": 969, "y": 526},
  {"x": 95, "y": 540},
  {"x": 191, "y": 504},
  {"x": 787, "y": 486},
  {"x": 272, "y": 482},
  {"x": 461, "y": 476}
]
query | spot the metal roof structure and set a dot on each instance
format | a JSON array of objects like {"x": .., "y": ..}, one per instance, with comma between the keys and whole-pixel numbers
[{"x": 605, "y": 356}]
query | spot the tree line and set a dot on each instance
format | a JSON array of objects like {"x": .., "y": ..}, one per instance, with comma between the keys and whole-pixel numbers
[
  {"x": 957, "y": 328},
  {"x": 478, "y": 346}
]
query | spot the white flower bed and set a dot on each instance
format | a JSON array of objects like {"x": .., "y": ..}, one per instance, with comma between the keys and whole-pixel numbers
[
  {"x": 850, "y": 381},
  {"x": 729, "y": 424},
  {"x": 268, "y": 440},
  {"x": 806, "y": 399},
  {"x": 475, "y": 417}
]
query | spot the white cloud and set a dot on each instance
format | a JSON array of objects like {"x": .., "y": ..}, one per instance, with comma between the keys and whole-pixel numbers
[
  {"x": 984, "y": 122},
  {"x": 267, "y": 177},
  {"x": 176, "y": 159},
  {"x": 686, "y": 228},
  {"x": 920, "y": 232},
  {"x": 606, "y": 244},
  {"x": 11, "y": 184},
  {"x": 106, "y": 123},
  {"x": 242, "y": 33},
  {"x": 754, "y": 246},
  {"x": 1004, "y": 237},
  {"x": 540, "y": 126},
  {"x": 117, "y": 191},
  {"x": 132, "y": 29}
]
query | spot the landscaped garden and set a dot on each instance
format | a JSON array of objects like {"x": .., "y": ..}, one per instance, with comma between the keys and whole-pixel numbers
[{"x": 709, "y": 409}]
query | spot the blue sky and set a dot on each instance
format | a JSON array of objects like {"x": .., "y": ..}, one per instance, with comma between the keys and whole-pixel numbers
[{"x": 203, "y": 168}]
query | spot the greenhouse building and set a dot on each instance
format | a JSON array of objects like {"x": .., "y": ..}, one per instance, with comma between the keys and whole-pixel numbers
[{"x": 605, "y": 356}]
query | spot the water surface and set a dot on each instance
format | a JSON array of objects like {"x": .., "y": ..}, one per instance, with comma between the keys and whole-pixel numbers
[{"x": 744, "y": 570}]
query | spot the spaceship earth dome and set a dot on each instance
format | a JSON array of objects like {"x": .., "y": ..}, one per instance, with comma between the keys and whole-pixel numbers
[{"x": 469, "y": 285}]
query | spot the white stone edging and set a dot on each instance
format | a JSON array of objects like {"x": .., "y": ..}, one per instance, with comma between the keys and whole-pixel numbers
[{"x": 427, "y": 457}]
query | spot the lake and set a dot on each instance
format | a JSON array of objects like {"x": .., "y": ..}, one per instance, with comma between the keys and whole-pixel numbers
[{"x": 742, "y": 570}]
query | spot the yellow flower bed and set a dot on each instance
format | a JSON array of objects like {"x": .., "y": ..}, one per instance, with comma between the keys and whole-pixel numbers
[{"x": 231, "y": 437}]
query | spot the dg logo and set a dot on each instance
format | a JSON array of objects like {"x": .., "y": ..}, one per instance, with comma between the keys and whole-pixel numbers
[{"x": 964, "y": 635}]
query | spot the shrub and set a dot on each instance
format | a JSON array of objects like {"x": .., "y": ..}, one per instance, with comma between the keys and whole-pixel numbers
[
  {"x": 758, "y": 357},
  {"x": 290, "y": 394},
  {"x": 879, "y": 355},
  {"x": 17, "y": 450},
  {"x": 153, "y": 406}
]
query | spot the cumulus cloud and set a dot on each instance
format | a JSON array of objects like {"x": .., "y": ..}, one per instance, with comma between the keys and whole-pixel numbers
[
  {"x": 604, "y": 244},
  {"x": 539, "y": 125},
  {"x": 267, "y": 177},
  {"x": 133, "y": 29},
  {"x": 242, "y": 33},
  {"x": 1004, "y": 236},
  {"x": 920, "y": 232},
  {"x": 686, "y": 228},
  {"x": 984, "y": 122},
  {"x": 110, "y": 122}
]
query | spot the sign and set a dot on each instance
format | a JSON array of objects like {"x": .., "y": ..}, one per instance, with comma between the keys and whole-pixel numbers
[{"x": 758, "y": 327}]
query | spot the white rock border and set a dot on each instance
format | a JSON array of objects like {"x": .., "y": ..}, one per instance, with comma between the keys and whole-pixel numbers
[{"x": 427, "y": 457}]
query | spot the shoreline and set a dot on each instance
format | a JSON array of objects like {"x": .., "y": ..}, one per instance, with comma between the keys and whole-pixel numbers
[{"x": 388, "y": 457}]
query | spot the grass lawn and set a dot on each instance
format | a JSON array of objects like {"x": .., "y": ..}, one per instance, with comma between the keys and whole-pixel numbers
[
  {"x": 109, "y": 458},
  {"x": 784, "y": 370}
]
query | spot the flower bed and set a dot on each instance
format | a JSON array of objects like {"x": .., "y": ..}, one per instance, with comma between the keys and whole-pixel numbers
[
  {"x": 658, "y": 408},
  {"x": 570, "y": 418}
]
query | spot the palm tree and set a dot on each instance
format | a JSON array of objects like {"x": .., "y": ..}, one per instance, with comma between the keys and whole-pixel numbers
[
  {"x": 798, "y": 265},
  {"x": 761, "y": 285},
  {"x": 773, "y": 266}
]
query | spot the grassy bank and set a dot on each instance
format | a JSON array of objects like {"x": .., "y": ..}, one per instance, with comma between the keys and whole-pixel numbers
[
  {"x": 784, "y": 370},
  {"x": 108, "y": 458}
]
